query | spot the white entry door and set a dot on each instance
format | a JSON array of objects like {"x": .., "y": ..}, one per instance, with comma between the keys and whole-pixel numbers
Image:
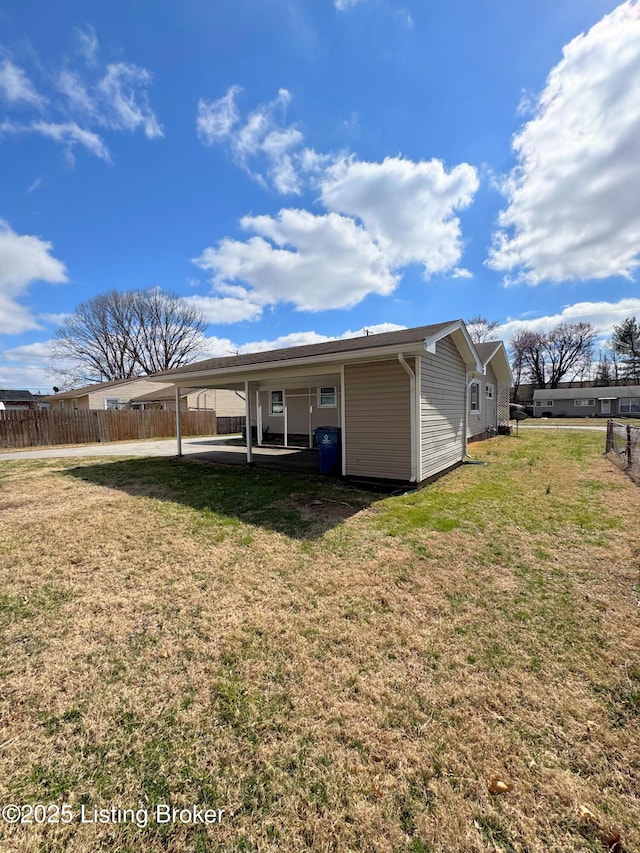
[{"x": 605, "y": 407}]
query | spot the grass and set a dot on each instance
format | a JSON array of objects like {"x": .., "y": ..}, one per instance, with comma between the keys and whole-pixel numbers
[{"x": 336, "y": 670}]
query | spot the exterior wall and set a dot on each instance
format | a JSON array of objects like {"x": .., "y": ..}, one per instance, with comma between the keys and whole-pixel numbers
[
  {"x": 442, "y": 401},
  {"x": 377, "y": 421},
  {"x": 297, "y": 401},
  {"x": 487, "y": 418},
  {"x": 124, "y": 392},
  {"x": 71, "y": 405},
  {"x": 224, "y": 403}
]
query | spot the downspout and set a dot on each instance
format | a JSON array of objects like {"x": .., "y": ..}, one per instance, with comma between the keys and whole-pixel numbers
[
  {"x": 343, "y": 423},
  {"x": 412, "y": 416},
  {"x": 247, "y": 409},
  {"x": 258, "y": 418},
  {"x": 178, "y": 423},
  {"x": 468, "y": 383}
]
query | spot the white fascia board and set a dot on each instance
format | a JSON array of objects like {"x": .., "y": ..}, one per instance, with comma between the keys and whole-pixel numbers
[
  {"x": 502, "y": 368},
  {"x": 326, "y": 363},
  {"x": 463, "y": 342}
]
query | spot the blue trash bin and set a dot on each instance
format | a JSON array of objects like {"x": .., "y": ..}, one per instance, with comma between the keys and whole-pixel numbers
[{"x": 328, "y": 441}]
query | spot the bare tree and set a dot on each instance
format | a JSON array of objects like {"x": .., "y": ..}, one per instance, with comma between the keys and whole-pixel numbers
[
  {"x": 547, "y": 358},
  {"x": 480, "y": 329},
  {"x": 120, "y": 335}
]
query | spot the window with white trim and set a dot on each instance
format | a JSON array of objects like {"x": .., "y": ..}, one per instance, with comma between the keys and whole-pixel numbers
[
  {"x": 488, "y": 391},
  {"x": 629, "y": 406},
  {"x": 276, "y": 402},
  {"x": 547, "y": 403},
  {"x": 474, "y": 397},
  {"x": 327, "y": 397},
  {"x": 112, "y": 403},
  {"x": 584, "y": 402}
]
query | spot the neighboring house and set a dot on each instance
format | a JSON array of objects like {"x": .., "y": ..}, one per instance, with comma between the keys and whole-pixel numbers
[
  {"x": 17, "y": 400},
  {"x": 223, "y": 403},
  {"x": 489, "y": 391},
  {"x": 115, "y": 394},
  {"x": 400, "y": 398},
  {"x": 611, "y": 401}
]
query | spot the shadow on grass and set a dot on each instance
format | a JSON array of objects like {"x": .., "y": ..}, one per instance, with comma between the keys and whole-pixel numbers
[{"x": 298, "y": 505}]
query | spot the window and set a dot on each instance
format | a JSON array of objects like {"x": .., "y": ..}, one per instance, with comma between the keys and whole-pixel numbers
[
  {"x": 547, "y": 403},
  {"x": 276, "y": 402},
  {"x": 584, "y": 402},
  {"x": 488, "y": 392},
  {"x": 474, "y": 401},
  {"x": 629, "y": 406},
  {"x": 112, "y": 403},
  {"x": 327, "y": 397}
]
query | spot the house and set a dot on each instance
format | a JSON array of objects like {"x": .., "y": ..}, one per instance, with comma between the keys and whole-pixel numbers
[
  {"x": 115, "y": 394},
  {"x": 223, "y": 403},
  {"x": 401, "y": 399},
  {"x": 612, "y": 401},
  {"x": 17, "y": 400},
  {"x": 489, "y": 391}
]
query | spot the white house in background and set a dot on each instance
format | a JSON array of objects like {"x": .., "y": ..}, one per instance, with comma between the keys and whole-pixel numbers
[
  {"x": 402, "y": 400},
  {"x": 612, "y": 401}
]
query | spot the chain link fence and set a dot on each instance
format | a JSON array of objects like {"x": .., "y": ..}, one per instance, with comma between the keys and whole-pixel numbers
[{"x": 623, "y": 447}]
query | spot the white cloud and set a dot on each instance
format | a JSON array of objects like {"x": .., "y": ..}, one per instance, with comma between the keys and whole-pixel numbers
[
  {"x": 76, "y": 92},
  {"x": 35, "y": 354},
  {"x": 216, "y": 119},
  {"x": 35, "y": 379},
  {"x": 15, "y": 86},
  {"x": 261, "y": 143},
  {"x": 343, "y": 5},
  {"x": 408, "y": 208},
  {"x": 125, "y": 101},
  {"x": 602, "y": 315},
  {"x": 226, "y": 309},
  {"x": 81, "y": 106},
  {"x": 23, "y": 260},
  {"x": 220, "y": 347},
  {"x": 70, "y": 134},
  {"x": 314, "y": 262},
  {"x": 573, "y": 210},
  {"x": 87, "y": 43}
]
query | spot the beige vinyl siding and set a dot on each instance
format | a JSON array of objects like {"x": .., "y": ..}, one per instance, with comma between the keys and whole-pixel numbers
[
  {"x": 224, "y": 403},
  {"x": 297, "y": 401},
  {"x": 442, "y": 393},
  {"x": 487, "y": 417},
  {"x": 123, "y": 392},
  {"x": 377, "y": 420}
]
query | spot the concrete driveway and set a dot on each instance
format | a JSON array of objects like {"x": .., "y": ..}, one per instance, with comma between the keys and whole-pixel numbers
[{"x": 208, "y": 449}]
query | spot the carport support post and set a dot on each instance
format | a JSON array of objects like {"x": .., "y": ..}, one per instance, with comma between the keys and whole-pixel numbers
[
  {"x": 247, "y": 410},
  {"x": 178, "y": 423}
]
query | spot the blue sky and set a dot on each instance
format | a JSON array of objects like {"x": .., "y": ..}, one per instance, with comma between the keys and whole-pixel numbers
[{"x": 305, "y": 169}]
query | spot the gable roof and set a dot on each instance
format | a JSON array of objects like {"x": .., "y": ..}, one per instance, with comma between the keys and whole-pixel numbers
[
  {"x": 8, "y": 396},
  {"x": 495, "y": 352},
  {"x": 164, "y": 392},
  {"x": 382, "y": 345},
  {"x": 89, "y": 389},
  {"x": 598, "y": 392}
]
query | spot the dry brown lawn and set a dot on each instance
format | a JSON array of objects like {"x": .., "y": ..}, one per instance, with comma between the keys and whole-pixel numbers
[{"x": 452, "y": 670}]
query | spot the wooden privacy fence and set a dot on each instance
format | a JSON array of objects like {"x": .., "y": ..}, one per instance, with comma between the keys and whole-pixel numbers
[
  {"x": 229, "y": 424},
  {"x": 623, "y": 447},
  {"x": 38, "y": 428}
]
